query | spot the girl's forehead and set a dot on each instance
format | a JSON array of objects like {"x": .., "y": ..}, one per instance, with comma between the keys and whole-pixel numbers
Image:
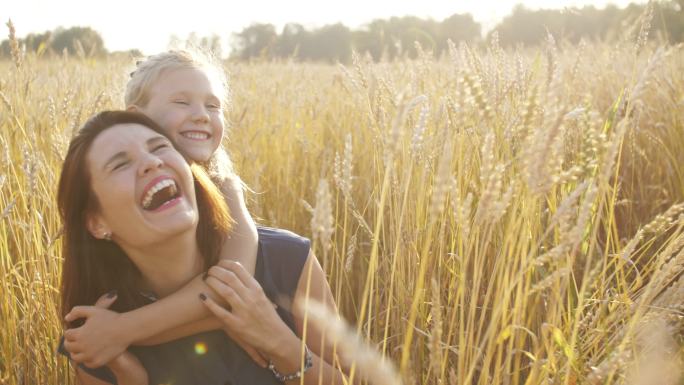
[
  {"x": 184, "y": 76},
  {"x": 186, "y": 80}
]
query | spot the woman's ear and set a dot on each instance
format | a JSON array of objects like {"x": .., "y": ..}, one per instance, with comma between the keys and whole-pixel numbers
[{"x": 97, "y": 227}]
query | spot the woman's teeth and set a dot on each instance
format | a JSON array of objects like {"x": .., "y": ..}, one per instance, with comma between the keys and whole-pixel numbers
[
  {"x": 196, "y": 135},
  {"x": 149, "y": 195}
]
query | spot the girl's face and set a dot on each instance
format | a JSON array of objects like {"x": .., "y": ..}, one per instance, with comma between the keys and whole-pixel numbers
[
  {"x": 185, "y": 103},
  {"x": 143, "y": 186}
]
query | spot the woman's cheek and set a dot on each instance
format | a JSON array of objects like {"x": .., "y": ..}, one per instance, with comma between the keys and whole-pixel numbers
[{"x": 124, "y": 190}]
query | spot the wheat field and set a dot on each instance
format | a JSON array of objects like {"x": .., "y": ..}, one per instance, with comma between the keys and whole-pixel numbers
[{"x": 493, "y": 216}]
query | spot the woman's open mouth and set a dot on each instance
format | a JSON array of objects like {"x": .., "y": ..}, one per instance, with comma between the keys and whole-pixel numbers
[{"x": 161, "y": 193}]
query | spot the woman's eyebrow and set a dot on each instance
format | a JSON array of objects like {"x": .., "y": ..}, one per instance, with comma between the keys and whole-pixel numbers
[
  {"x": 122, "y": 155},
  {"x": 119, "y": 155},
  {"x": 157, "y": 139}
]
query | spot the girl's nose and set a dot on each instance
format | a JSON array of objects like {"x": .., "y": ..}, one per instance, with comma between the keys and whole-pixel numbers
[{"x": 200, "y": 114}]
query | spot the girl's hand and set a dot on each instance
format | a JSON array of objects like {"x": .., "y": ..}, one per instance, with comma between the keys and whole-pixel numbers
[
  {"x": 99, "y": 340},
  {"x": 252, "y": 318},
  {"x": 128, "y": 370}
]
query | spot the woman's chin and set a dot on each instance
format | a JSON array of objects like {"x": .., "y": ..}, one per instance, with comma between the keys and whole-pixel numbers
[{"x": 173, "y": 217}]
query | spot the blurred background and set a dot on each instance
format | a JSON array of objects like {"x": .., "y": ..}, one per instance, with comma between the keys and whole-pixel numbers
[{"x": 324, "y": 31}]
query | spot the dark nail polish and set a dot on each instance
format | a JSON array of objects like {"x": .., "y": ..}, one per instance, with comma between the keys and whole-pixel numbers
[
  {"x": 111, "y": 294},
  {"x": 203, "y": 297}
]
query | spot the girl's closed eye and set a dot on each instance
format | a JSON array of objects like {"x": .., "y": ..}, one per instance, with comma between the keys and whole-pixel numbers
[{"x": 181, "y": 102}]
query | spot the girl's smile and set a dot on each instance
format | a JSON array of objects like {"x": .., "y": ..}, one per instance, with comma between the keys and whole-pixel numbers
[{"x": 185, "y": 103}]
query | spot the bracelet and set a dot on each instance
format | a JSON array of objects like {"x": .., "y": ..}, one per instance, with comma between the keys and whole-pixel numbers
[{"x": 308, "y": 362}]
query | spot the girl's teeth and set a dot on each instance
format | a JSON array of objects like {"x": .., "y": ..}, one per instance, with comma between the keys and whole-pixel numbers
[{"x": 195, "y": 135}]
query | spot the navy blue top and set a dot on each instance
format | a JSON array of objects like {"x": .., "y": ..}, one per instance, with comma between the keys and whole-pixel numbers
[{"x": 212, "y": 358}]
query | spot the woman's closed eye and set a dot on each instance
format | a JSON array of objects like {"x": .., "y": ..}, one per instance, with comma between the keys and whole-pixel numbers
[
  {"x": 120, "y": 165},
  {"x": 181, "y": 102}
]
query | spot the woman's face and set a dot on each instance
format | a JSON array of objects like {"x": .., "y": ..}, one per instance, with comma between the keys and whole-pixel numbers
[
  {"x": 143, "y": 185},
  {"x": 185, "y": 103}
]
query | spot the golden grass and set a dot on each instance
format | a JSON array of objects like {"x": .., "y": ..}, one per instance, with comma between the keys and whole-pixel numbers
[{"x": 491, "y": 217}]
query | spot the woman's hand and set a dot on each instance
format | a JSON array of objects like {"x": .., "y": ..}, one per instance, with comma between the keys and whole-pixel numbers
[
  {"x": 252, "y": 318},
  {"x": 99, "y": 340}
]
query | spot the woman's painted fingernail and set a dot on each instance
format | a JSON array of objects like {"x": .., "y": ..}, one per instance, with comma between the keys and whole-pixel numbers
[
  {"x": 111, "y": 294},
  {"x": 203, "y": 297}
]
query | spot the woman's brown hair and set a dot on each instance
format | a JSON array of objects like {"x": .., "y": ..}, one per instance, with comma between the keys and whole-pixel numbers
[{"x": 92, "y": 266}]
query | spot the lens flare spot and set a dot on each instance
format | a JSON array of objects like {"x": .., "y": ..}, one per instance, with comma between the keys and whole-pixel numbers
[{"x": 200, "y": 348}]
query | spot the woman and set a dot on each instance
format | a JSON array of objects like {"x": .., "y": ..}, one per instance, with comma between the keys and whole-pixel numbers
[{"x": 139, "y": 219}]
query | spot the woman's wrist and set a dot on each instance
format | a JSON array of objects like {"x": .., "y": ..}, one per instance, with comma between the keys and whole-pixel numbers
[
  {"x": 286, "y": 353},
  {"x": 307, "y": 363}
]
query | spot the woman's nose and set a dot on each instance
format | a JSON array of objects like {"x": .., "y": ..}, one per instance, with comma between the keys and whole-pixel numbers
[{"x": 150, "y": 163}]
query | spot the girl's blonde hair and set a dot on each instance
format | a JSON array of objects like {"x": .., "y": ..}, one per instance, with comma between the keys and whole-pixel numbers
[{"x": 148, "y": 71}]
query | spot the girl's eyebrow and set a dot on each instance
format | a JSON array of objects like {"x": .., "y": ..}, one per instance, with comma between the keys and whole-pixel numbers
[
  {"x": 187, "y": 94},
  {"x": 178, "y": 93}
]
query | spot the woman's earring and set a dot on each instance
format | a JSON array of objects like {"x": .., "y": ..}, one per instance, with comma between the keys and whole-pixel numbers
[{"x": 107, "y": 236}]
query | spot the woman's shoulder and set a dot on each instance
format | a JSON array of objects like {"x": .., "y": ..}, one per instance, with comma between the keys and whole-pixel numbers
[
  {"x": 289, "y": 243},
  {"x": 282, "y": 255}
]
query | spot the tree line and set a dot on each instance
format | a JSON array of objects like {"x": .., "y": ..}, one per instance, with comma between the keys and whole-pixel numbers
[{"x": 396, "y": 37}]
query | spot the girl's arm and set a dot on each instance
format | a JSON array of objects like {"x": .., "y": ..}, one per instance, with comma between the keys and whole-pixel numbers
[
  {"x": 243, "y": 242},
  {"x": 106, "y": 334},
  {"x": 241, "y": 246},
  {"x": 126, "y": 368}
]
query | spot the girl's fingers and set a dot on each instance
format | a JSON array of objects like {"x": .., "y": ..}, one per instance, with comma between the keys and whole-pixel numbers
[
  {"x": 91, "y": 364},
  {"x": 106, "y": 300},
  {"x": 229, "y": 278},
  {"x": 226, "y": 292},
  {"x": 70, "y": 335},
  {"x": 70, "y": 347},
  {"x": 77, "y": 357},
  {"x": 224, "y": 315},
  {"x": 236, "y": 267},
  {"x": 78, "y": 312}
]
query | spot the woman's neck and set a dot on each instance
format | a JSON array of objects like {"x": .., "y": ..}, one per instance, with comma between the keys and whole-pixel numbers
[{"x": 167, "y": 266}]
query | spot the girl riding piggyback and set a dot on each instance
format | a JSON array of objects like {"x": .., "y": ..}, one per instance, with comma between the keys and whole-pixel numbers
[{"x": 186, "y": 93}]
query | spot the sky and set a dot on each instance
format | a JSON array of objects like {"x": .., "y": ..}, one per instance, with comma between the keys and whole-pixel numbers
[{"x": 149, "y": 25}]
